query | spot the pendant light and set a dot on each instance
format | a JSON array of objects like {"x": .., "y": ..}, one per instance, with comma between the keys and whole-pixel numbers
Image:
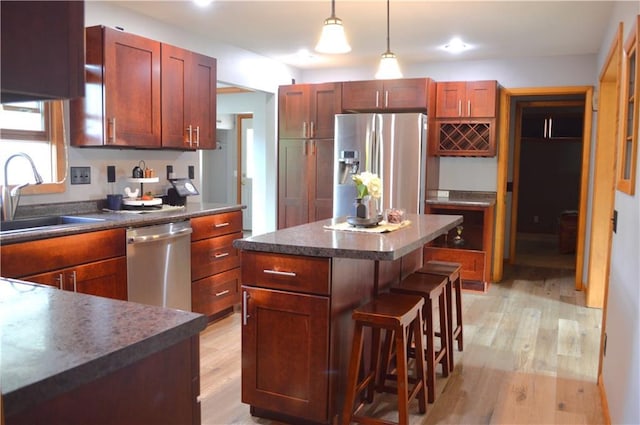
[
  {"x": 389, "y": 67},
  {"x": 333, "y": 39}
]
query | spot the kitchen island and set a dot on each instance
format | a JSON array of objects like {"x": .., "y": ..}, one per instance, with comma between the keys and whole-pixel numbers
[
  {"x": 70, "y": 358},
  {"x": 299, "y": 287}
]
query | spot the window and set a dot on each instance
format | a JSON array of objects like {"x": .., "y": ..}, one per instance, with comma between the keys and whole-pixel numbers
[
  {"x": 37, "y": 129},
  {"x": 628, "y": 149}
]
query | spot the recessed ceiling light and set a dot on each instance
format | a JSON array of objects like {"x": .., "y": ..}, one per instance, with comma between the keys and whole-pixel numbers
[
  {"x": 456, "y": 45},
  {"x": 203, "y": 3}
]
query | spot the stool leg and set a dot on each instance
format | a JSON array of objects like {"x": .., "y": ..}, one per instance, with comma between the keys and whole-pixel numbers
[
  {"x": 420, "y": 369},
  {"x": 449, "y": 323},
  {"x": 445, "y": 333},
  {"x": 375, "y": 363},
  {"x": 352, "y": 376},
  {"x": 430, "y": 352},
  {"x": 403, "y": 381},
  {"x": 458, "y": 289}
]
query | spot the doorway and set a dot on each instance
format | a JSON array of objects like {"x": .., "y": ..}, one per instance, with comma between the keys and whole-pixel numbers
[
  {"x": 245, "y": 167},
  {"x": 547, "y": 165}
]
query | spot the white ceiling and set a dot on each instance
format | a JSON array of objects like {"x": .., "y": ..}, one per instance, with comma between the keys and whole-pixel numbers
[{"x": 495, "y": 29}]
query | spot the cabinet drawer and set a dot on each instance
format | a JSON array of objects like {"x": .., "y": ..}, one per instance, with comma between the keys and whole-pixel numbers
[
  {"x": 287, "y": 272},
  {"x": 215, "y": 293},
  {"x": 471, "y": 261},
  {"x": 214, "y": 255},
  {"x": 216, "y": 225},
  {"x": 27, "y": 258}
]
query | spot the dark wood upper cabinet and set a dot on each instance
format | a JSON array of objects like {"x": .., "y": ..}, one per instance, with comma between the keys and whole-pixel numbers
[
  {"x": 122, "y": 103},
  {"x": 188, "y": 99},
  {"x": 42, "y": 50},
  {"x": 307, "y": 110},
  {"x": 466, "y": 99},
  {"x": 407, "y": 94}
]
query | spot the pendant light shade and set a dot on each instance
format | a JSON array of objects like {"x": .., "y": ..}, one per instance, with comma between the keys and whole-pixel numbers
[
  {"x": 333, "y": 39},
  {"x": 388, "y": 67}
]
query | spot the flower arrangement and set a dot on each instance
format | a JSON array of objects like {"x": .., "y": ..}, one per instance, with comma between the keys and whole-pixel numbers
[{"x": 368, "y": 184}]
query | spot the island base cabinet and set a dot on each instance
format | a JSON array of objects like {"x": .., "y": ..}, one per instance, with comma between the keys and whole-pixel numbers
[
  {"x": 162, "y": 388},
  {"x": 285, "y": 352}
]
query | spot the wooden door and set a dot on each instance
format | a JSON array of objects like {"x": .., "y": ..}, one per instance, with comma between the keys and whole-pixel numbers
[
  {"x": 321, "y": 180},
  {"x": 406, "y": 93},
  {"x": 285, "y": 352},
  {"x": 293, "y": 111},
  {"x": 480, "y": 99},
  {"x": 326, "y": 101},
  {"x": 132, "y": 89},
  {"x": 362, "y": 95},
  {"x": 203, "y": 101},
  {"x": 449, "y": 97},
  {"x": 176, "y": 63},
  {"x": 292, "y": 183}
]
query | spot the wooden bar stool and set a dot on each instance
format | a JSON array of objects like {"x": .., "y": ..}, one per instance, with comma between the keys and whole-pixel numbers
[
  {"x": 430, "y": 287},
  {"x": 397, "y": 314},
  {"x": 452, "y": 271}
]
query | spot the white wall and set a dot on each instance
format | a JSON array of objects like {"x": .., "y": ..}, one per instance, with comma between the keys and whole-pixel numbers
[{"x": 621, "y": 365}]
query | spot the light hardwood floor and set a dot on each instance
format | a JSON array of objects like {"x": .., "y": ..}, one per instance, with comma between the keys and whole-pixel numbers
[{"x": 530, "y": 357}]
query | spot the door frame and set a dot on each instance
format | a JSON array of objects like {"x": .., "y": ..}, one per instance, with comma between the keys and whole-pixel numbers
[
  {"x": 515, "y": 194},
  {"x": 239, "y": 130},
  {"x": 507, "y": 97}
]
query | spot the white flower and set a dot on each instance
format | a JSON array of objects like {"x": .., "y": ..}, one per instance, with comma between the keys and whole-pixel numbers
[{"x": 368, "y": 184}]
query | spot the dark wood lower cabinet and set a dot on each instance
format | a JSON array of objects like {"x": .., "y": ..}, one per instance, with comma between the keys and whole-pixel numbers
[
  {"x": 162, "y": 388},
  {"x": 285, "y": 343}
]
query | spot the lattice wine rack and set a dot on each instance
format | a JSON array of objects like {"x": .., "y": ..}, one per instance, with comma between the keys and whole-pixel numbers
[{"x": 473, "y": 139}]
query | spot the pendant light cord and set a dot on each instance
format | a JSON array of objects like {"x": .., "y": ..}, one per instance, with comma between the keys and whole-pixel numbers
[
  {"x": 388, "y": 43},
  {"x": 333, "y": 8}
]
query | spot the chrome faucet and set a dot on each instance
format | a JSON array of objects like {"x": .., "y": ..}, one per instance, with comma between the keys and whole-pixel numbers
[{"x": 11, "y": 198}]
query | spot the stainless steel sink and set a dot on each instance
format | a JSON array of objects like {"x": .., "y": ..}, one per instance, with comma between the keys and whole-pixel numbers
[{"x": 46, "y": 221}]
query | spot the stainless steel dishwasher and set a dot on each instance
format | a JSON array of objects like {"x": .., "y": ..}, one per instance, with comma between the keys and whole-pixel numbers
[{"x": 159, "y": 265}]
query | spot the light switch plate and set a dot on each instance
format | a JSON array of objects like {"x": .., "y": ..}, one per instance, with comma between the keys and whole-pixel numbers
[{"x": 80, "y": 175}]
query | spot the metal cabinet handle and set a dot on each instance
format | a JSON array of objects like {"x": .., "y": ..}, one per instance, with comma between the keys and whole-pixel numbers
[
  {"x": 550, "y": 127},
  {"x": 544, "y": 131},
  {"x": 220, "y": 255},
  {"x": 198, "y": 136},
  {"x": 377, "y": 98},
  {"x": 245, "y": 305},
  {"x": 219, "y": 294},
  {"x": 459, "y": 107},
  {"x": 217, "y": 225},
  {"x": 111, "y": 138},
  {"x": 312, "y": 133},
  {"x": 304, "y": 129},
  {"x": 386, "y": 98},
  {"x": 190, "y": 133},
  {"x": 468, "y": 108},
  {"x": 279, "y": 273},
  {"x": 60, "y": 280},
  {"x": 75, "y": 281}
]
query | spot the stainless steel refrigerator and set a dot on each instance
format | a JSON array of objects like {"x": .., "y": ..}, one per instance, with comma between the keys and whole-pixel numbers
[{"x": 391, "y": 145}]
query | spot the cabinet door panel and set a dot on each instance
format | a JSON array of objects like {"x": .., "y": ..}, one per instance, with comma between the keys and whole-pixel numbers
[
  {"x": 203, "y": 101},
  {"x": 293, "y": 111},
  {"x": 215, "y": 293},
  {"x": 132, "y": 89},
  {"x": 362, "y": 95},
  {"x": 449, "y": 97},
  {"x": 321, "y": 180},
  {"x": 292, "y": 183},
  {"x": 407, "y": 93},
  {"x": 175, "y": 106},
  {"x": 326, "y": 103},
  {"x": 481, "y": 99},
  {"x": 285, "y": 352},
  {"x": 104, "y": 278},
  {"x": 216, "y": 225}
]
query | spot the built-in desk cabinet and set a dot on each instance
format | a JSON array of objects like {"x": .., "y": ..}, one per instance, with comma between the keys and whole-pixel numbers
[
  {"x": 91, "y": 263},
  {"x": 475, "y": 253},
  {"x": 215, "y": 263}
]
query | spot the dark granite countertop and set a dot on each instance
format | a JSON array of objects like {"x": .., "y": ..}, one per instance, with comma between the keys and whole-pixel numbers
[
  {"x": 54, "y": 341},
  {"x": 315, "y": 240},
  {"x": 112, "y": 220},
  {"x": 461, "y": 198}
]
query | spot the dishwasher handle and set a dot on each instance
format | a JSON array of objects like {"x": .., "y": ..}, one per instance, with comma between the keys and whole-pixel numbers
[{"x": 159, "y": 236}]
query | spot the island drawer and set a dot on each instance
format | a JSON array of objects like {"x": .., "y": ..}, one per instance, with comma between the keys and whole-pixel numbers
[
  {"x": 286, "y": 272},
  {"x": 215, "y": 293},
  {"x": 216, "y": 225},
  {"x": 214, "y": 255}
]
